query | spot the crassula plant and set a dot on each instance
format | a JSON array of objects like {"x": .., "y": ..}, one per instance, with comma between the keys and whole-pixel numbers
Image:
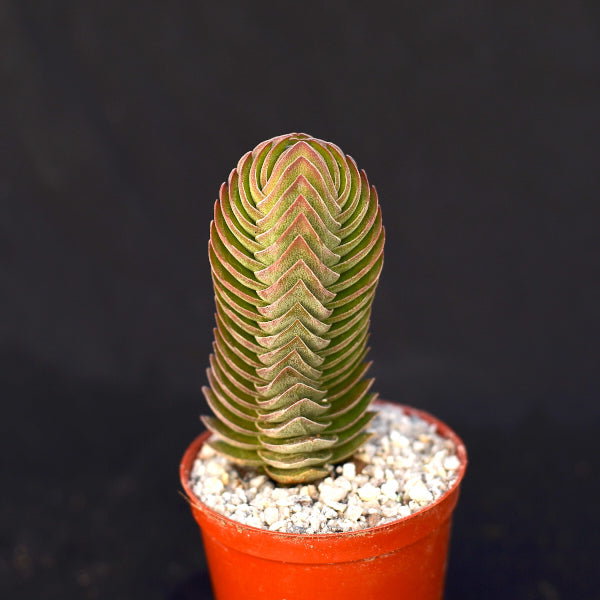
[{"x": 296, "y": 249}]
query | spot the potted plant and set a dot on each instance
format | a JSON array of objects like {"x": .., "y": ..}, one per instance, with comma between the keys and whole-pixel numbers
[{"x": 289, "y": 484}]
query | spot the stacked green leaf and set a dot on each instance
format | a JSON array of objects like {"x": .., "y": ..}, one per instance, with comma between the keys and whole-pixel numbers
[{"x": 296, "y": 249}]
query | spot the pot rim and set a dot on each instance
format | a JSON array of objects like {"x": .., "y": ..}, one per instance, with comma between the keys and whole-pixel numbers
[{"x": 442, "y": 429}]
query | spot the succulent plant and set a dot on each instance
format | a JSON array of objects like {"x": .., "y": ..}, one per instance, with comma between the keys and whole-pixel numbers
[{"x": 296, "y": 249}]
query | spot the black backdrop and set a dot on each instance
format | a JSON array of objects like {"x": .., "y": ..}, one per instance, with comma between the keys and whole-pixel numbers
[{"x": 478, "y": 122}]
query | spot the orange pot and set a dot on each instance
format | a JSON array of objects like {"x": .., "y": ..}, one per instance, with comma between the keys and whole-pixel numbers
[{"x": 403, "y": 560}]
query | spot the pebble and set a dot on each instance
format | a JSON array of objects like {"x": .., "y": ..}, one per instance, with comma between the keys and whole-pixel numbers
[
  {"x": 451, "y": 463},
  {"x": 286, "y": 501},
  {"x": 278, "y": 525},
  {"x": 349, "y": 470},
  {"x": 403, "y": 468},
  {"x": 271, "y": 515},
  {"x": 417, "y": 491},
  {"x": 353, "y": 511},
  {"x": 257, "y": 481},
  {"x": 368, "y": 492},
  {"x": 390, "y": 488},
  {"x": 339, "y": 506},
  {"x": 213, "y": 486},
  {"x": 390, "y": 510},
  {"x": 332, "y": 493}
]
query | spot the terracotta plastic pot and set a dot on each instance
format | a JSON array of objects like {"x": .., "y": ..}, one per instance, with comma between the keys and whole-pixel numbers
[{"x": 403, "y": 560}]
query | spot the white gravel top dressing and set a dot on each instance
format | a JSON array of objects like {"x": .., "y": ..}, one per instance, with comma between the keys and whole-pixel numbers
[{"x": 402, "y": 469}]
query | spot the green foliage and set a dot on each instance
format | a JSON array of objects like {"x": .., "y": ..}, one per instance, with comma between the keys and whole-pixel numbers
[{"x": 296, "y": 249}]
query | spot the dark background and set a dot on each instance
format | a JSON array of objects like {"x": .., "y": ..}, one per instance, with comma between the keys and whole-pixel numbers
[{"x": 479, "y": 123}]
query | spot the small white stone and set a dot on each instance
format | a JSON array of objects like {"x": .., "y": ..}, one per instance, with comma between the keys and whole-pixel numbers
[
  {"x": 329, "y": 513},
  {"x": 206, "y": 452},
  {"x": 346, "y": 524},
  {"x": 299, "y": 520},
  {"x": 338, "y": 506},
  {"x": 254, "y": 521},
  {"x": 277, "y": 526},
  {"x": 435, "y": 468},
  {"x": 399, "y": 440},
  {"x": 286, "y": 501},
  {"x": 317, "y": 508},
  {"x": 315, "y": 522},
  {"x": 271, "y": 515},
  {"x": 361, "y": 479},
  {"x": 390, "y": 488},
  {"x": 198, "y": 469},
  {"x": 451, "y": 463},
  {"x": 245, "y": 508},
  {"x": 349, "y": 470},
  {"x": 378, "y": 473},
  {"x": 343, "y": 482},
  {"x": 353, "y": 511},
  {"x": 213, "y": 485},
  {"x": 215, "y": 469},
  {"x": 257, "y": 481},
  {"x": 404, "y": 462},
  {"x": 368, "y": 492},
  {"x": 418, "y": 492},
  {"x": 312, "y": 491},
  {"x": 332, "y": 493}
]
